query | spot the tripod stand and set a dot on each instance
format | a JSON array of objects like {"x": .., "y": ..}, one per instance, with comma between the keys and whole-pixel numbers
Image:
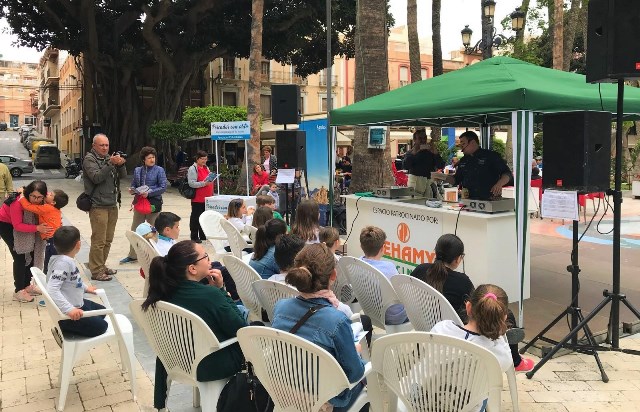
[
  {"x": 615, "y": 297},
  {"x": 575, "y": 312}
]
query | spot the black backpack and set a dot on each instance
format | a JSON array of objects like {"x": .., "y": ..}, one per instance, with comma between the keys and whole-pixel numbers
[{"x": 245, "y": 393}]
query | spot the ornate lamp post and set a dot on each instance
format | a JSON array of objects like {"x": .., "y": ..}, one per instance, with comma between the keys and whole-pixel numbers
[{"x": 490, "y": 38}]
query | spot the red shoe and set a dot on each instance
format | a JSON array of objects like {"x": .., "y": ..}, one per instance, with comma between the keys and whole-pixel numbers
[{"x": 525, "y": 365}]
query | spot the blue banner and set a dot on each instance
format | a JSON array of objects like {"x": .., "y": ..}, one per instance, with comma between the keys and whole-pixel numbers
[{"x": 317, "y": 155}]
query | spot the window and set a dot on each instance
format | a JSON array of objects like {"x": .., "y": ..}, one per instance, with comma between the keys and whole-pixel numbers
[
  {"x": 228, "y": 64},
  {"x": 265, "y": 105},
  {"x": 264, "y": 68},
  {"x": 229, "y": 99},
  {"x": 424, "y": 73},
  {"x": 302, "y": 105},
  {"x": 323, "y": 103},
  {"x": 404, "y": 76}
]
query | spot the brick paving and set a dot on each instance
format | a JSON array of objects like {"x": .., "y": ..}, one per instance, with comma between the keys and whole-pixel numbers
[{"x": 29, "y": 356}]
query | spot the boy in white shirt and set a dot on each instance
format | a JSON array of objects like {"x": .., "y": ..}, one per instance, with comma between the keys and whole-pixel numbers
[
  {"x": 168, "y": 227},
  {"x": 66, "y": 288}
]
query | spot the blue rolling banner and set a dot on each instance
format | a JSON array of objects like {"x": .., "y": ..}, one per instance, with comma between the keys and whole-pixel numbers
[{"x": 317, "y": 173}]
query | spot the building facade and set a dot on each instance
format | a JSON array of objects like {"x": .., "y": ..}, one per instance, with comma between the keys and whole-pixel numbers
[
  {"x": 49, "y": 80},
  {"x": 18, "y": 93},
  {"x": 71, "y": 108}
]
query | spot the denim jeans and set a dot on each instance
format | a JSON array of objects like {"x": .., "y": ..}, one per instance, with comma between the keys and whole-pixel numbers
[{"x": 90, "y": 326}]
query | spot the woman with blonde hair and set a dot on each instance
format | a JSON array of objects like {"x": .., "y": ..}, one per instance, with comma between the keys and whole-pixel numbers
[{"x": 312, "y": 274}]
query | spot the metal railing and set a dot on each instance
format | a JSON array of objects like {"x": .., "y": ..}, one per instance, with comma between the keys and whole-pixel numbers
[{"x": 323, "y": 80}]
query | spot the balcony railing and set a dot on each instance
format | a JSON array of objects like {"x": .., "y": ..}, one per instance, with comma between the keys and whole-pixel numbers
[
  {"x": 323, "y": 80},
  {"x": 404, "y": 83},
  {"x": 234, "y": 73},
  {"x": 303, "y": 81},
  {"x": 265, "y": 77}
]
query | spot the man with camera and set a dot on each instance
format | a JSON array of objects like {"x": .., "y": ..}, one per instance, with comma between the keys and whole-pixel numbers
[{"x": 102, "y": 173}]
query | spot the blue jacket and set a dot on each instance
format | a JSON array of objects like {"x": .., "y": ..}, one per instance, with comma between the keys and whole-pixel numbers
[
  {"x": 328, "y": 328},
  {"x": 267, "y": 266},
  {"x": 153, "y": 176}
]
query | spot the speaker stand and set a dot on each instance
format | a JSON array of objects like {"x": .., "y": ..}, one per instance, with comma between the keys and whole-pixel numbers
[{"x": 575, "y": 312}]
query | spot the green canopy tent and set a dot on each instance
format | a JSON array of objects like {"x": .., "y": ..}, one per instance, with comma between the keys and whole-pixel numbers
[{"x": 496, "y": 91}]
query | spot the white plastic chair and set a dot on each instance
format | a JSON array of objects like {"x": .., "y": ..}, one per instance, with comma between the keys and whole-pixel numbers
[
  {"x": 431, "y": 372},
  {"x": 251, "y": 232},
  {"x": 145, "y": 252},
  {"x": 270, "y": 292},
  {"x": 210, "y": 224},
  {"x": 341, "y": 287},
  {"x": 75, "y": 347},
  {"x": 181, "y": 339},
  {"x": 426, "y": 306},
  {"x": 373, "y": 291},
  {"x": 243, "y": 276},
  {"x": 237, "y": 243},
  {"x": 298, "y": 375}
]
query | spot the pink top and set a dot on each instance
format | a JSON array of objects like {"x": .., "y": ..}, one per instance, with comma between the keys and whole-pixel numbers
[{"x": 13, "y": 215}]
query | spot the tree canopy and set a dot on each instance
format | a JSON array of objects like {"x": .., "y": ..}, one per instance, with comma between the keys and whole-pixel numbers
[{"x": 164, "y": 45}]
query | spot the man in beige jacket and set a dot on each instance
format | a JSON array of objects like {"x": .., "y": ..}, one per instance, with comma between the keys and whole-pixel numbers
[{"x": 6, "y": 183}]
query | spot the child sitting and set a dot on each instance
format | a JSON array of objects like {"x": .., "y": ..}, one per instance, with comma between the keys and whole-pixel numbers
[
  {"x": 49, "y": 214},
  {"x": 331, "y": 237},
  {"x": 268, "y": 201},
  {"x": 306, "y": 224},
  {"x": 372, "y": 244},
  {"x": 66, "y": 288},
  {"x": 263, "y": 261},
  {"x": 238, "y": 215},
  {"x": 168, "y": 228},
  {"x": 287, "y": 247},
  {"x": 487, "y": 325},
  {"x": 273, "y": 193}
]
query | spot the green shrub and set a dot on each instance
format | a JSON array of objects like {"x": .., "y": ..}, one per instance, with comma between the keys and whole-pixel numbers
[
  {"x": 498, "y": 146},
  {"x": 198, "y": 119}
]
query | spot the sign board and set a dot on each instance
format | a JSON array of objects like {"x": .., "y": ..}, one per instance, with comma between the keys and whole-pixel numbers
[
  {"x": 230, "y": 130},
  {"x": 560, "y": 204},
  {"x": 220, "y": 203},
  {"x": 377, "y": 137}
]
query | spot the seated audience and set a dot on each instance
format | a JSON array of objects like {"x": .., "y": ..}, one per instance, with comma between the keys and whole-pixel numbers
[
  {"x": 238, "y": 214},
  {"x": 372, "y": 244},
  {"x": 66, "y": 288},
  {"x": 268, "y": 201},
  {"x": 168, "y": 228},
  {"x": 329, "y": 328},
  {"x": 306, "y": 224},
  {"x": 262, "y": 215},
  {"x": 487, "y": 313},
  {"x": 331, "y": 238},
  {"x": 263, "y": 260},
  {"x": 176, "y": 278},
  {"x": 287, "y": 247}
]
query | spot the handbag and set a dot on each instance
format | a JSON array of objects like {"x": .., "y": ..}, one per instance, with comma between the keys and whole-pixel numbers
[
  {"x": 244, "y": 392},
  {"x": 186, "y": 190},
  {"x": 142, "y": 205},
  {"x": 84, "y": 200}
]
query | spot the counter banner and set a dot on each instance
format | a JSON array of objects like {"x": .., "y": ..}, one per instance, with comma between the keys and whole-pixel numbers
[{"x": 411, "y": 235}]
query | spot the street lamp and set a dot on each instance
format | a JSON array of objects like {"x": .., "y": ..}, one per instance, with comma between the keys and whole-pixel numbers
[{"x": 489, "y": 37}]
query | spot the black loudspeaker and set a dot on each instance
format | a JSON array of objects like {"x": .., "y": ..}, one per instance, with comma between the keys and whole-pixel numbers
[
  {"x": 285, "y": 104},
  {"x": 613, "y": 48},
  {"x": 577, "y": 151},
  {"x": 291, "y": 149}
]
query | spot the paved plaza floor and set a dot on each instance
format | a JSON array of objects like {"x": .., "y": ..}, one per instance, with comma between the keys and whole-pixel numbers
[{"x": 29, "y": 356}]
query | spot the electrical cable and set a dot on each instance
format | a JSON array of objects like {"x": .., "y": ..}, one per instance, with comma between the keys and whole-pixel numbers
[
  {"x": 607, "y": 206},
  {"x": 354, "y": 219},
  {"x": 600, "y": 94},
  {"x": 455, "y": 232}
]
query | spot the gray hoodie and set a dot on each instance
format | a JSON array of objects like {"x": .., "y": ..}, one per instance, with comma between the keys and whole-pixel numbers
[{"x": 64, "y": 283}]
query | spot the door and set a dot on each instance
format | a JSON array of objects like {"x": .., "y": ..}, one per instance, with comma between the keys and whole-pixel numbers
[{"x": 13, "y": 120}]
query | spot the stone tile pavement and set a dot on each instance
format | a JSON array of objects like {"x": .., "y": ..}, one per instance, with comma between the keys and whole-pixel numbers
[{"x": 29, "y": 357}]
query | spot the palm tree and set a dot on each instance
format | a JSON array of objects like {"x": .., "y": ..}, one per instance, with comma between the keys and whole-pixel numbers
[
  {"x": 436, "y": 132},
  {"x": 253, "y": 106},
  {"x": 414, "y": 42},
  {"x": 372, "y": 167}
]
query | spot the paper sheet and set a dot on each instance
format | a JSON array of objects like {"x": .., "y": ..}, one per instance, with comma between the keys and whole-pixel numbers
[
  {"x": 560, "y": 204},
  {"x": 286, "y": 175}
]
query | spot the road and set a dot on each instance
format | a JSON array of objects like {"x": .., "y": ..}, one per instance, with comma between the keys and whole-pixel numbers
[{"x": 10, "y": 145}]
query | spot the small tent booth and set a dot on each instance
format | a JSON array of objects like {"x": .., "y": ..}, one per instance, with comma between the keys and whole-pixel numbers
[{"x": 496, "y": 91}]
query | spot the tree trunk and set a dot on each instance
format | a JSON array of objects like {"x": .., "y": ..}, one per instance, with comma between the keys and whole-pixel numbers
[
  {"x": 414, "y": 41},
  {"x": 436, "y": 132},
  {"x": 371, "y": 167},
  {"x": 558, "y": 29},
  {"x": 573, "y": 15},
  {"x": 253, "y": 107}
]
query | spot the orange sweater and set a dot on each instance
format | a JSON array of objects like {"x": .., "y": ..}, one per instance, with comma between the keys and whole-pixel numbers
[{"x": 47, "y": 214}]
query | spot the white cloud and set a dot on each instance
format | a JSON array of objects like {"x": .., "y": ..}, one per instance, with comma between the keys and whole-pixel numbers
[{"x": 11, "y": 52}]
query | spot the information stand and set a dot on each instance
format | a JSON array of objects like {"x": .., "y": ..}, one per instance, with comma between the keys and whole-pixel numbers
[{"x": 231, "y": 131}]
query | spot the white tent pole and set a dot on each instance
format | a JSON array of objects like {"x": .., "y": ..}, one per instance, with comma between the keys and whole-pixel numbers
[
  {"x": 215, "y": 142},
  {"x": 522, "y": 131}
]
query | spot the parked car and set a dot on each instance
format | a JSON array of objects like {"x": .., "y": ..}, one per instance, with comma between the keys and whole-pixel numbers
[
  {"x": 3, "y": 126},
  {"x": 47, "y": 155},
  {"x": 17, "y": 166},
  {"x": 28, "y": 143}
]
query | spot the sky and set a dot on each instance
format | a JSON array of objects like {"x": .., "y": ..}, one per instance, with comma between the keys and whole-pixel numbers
[{"x": 455, "y": 14}]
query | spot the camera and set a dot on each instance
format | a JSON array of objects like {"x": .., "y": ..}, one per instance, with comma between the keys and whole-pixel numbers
[{"x": 121, "y": 154}]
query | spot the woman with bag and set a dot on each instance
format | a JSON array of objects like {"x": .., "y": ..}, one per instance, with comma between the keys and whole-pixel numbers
[
  {"x": 196, "y": 178},
  {"x": 148, "y": 184},
  {"x": 18, "y": 229},
  {"x": 313, "y": 273},
  {"x": 176, "y": 278}
]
